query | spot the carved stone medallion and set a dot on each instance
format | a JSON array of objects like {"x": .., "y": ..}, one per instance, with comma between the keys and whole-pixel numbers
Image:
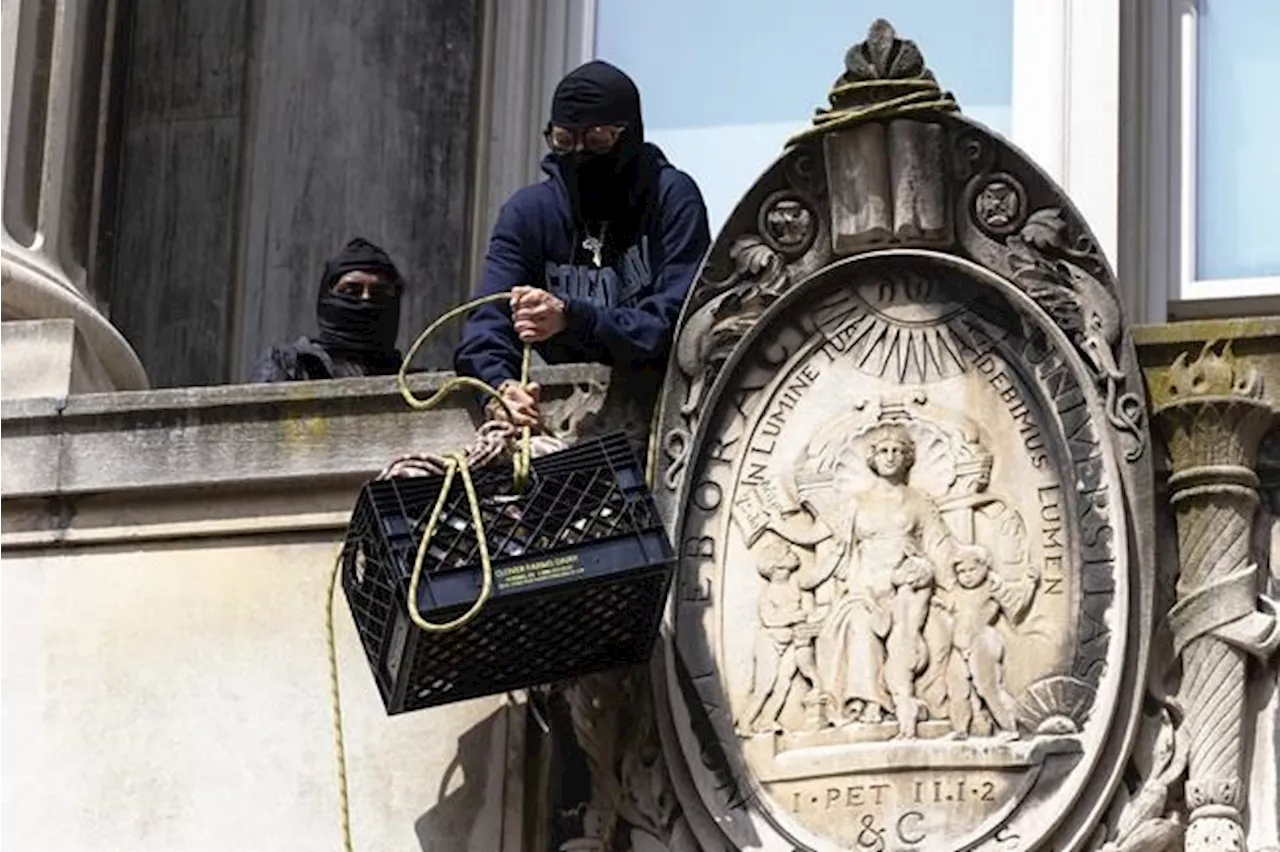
[
  {"x": 787, "y": 224},
  {"x": 901, "y": 563},
  {"x": 904, "y": 458}
]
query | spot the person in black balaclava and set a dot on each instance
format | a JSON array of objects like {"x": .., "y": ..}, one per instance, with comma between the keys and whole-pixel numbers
[
  {"x": 358, "y": 313},
  {"x": 598, "y": 257}
]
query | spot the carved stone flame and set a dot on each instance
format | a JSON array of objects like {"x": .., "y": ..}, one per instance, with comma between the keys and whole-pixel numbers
[
  {"x": 1213, "y": 416},
  {"x": 1212, "y": 374}
]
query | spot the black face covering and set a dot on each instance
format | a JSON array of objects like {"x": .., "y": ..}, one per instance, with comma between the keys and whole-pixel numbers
[
  {"x": 349, "y": 325},
  {"x": 610, "y": 186}
]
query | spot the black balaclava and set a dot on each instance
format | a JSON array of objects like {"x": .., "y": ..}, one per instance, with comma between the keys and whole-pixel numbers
[
  {"x": 352, "y": 327},
  {"x": 611, "y": 186}
]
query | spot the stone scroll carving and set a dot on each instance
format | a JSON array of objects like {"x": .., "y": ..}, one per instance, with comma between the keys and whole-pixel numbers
[
  {"x": 905, "y": 463},
  {"x": 1058, "y": 266}
]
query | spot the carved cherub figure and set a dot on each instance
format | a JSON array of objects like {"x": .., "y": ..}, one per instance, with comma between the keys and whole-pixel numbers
[
  {"x": 784, "y": 638},
  {"x": 975, "y": 675},
  {"x": 912, "y": 581}
]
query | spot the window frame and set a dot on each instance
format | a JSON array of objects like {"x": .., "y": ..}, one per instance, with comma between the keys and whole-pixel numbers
[
  {"x": 1066, "y": 102},
  {"x": 1078, "y": 66},
  {"x": 1190, "y": 288}
]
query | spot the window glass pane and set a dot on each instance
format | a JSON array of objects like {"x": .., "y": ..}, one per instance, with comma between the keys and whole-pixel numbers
[
  {"x": 723, "y": 85},
  {"x": 1238, "y": 169}
]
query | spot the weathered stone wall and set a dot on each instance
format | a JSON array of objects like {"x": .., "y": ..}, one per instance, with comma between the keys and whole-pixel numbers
[
  {"x": 255, "y": 140},
  {"x": 165, "y": 683}
]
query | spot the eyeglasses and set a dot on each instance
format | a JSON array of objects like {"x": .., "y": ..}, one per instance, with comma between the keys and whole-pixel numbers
[{"x": 593, "y": 140}]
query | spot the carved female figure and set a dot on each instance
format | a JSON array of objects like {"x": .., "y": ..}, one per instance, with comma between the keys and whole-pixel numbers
[{"x": 887, "y": 556}]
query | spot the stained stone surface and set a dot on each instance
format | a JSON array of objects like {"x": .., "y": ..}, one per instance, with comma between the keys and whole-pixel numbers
[
  {"x": 97, "y": 467},
  {"x": 47, "y": 358},
  {"x": 162, "y": 626}
]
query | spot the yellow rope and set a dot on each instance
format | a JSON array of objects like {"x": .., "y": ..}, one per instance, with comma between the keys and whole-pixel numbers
[
  {"x": 335, "y": 706},
  {"x": 455, "y": 463},
  {"x": 521, "y": 459},
  {"x": 923, "y": 95}
]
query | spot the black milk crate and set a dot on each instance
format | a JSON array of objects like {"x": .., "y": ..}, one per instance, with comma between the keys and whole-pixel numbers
[{"x": 581, "y": 569}]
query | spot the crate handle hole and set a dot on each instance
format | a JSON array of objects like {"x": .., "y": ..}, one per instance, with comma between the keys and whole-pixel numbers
[{"x": 359, "y": 560}]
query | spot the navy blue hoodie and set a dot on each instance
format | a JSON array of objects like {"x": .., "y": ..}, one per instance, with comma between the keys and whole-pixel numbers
[{"x": 623, "y": 318}]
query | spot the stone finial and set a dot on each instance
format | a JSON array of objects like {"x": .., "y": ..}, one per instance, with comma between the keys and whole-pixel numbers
[
  {"x": 883, "y": 56},
  {"x": 885, "y": 76}
]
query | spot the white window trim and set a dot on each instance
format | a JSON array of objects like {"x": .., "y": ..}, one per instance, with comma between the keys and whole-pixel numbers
[
  {"x": 1066, "y": 102},
  {"x": 1191, "y": 289},
  {"x": 527, "y": 47}
]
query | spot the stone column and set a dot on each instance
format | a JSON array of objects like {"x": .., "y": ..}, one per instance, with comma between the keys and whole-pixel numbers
[
  {"x": 1213, "y": 417},
  {"x": 54, "y": 56}
]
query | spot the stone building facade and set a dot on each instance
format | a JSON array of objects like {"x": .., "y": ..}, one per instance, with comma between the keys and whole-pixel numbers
[{"x": 976, "y": 550}]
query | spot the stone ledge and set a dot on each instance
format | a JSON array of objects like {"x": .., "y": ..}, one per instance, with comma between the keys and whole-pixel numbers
[{"x": 217, "y": 460}]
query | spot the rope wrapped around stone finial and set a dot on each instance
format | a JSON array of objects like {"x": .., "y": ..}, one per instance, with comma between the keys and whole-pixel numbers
[{"x": 884, "y": 76}]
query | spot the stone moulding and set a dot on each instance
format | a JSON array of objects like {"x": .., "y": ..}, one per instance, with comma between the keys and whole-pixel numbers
[
  {"x": 32, "y": 291},
  {"x": 905, "y": 459},
  {"x": 231, "y": 460}
]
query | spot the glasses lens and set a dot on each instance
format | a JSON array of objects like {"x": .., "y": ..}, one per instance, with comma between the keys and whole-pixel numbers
[
  {"x": 600, "y": 139},
  {"x": 560, "y": 139}
]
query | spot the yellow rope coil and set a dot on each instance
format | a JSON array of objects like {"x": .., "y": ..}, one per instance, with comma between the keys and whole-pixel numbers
[
  {"x": 922, "y": 95},
  {"x": 457, "y": 463}
]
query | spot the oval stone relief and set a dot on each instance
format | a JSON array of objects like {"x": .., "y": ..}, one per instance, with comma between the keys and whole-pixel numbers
[{"x": 900, "y": 618}]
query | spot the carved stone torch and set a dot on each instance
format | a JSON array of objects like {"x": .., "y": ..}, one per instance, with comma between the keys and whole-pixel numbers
[{"x": 1213, "y": 418}]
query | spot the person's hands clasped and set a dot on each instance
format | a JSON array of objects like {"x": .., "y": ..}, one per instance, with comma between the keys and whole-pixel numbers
[
  {"x": 537, "y": 314},
  {"x": 522, "y": 400}
]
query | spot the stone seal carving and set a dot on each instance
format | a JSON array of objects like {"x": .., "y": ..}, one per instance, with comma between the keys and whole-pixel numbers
[{"x": 905, "y": 467}]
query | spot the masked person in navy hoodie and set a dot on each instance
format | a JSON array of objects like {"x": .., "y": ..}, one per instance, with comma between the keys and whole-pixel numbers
[{"x": 598, "y": 256}]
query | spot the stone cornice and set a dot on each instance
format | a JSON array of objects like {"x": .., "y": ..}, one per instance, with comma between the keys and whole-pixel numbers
[{"x": 224, "y": 460}]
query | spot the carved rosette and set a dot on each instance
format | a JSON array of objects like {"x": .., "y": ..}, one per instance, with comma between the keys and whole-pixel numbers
[{"x": 1213, "y": 422}]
